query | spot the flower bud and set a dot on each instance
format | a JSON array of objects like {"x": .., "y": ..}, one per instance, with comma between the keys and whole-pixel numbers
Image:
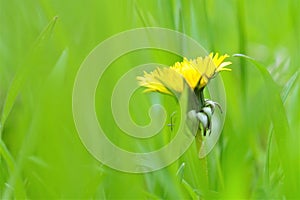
[
  {"x": 208, "y": 111},
  {"x": 203, "y": 119}
]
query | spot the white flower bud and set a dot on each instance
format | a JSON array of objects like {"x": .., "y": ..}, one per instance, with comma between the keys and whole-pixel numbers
[
  {"x": 203, "y": 119},
  {"x": 208, "y": 110}
]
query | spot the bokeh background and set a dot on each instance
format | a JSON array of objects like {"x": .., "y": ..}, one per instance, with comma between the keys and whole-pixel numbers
[{"x": 43, "y": 43}]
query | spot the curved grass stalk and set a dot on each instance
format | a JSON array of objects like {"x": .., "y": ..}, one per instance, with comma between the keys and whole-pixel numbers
[
  {"x": 284, "y": 93},
  {"x": 280, "y": 127}
]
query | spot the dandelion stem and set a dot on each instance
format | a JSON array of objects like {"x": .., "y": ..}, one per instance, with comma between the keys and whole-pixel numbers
[
  {"x": 203, "y": 161},
  {"x": 200, "y": 95}
]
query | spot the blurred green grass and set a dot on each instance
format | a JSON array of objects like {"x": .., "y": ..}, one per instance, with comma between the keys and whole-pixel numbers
[{"x": 42, "y": 44}]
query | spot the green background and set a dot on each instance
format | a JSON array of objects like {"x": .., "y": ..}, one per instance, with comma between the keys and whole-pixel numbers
[{"x": 43, "y": 43}]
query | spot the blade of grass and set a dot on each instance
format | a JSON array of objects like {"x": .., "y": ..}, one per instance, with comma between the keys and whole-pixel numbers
[
  {"x": 7, "y": 156},
  {"x": 284, "y": 93},
  {"x": 23, "y": 73},
  {"x": 281, "y": 127},
  {"x": 18, "y": 188},
  {"x": 177, "y": 15},
  {"x": 141, "y": 15},
  {"x": 187, "y": 186},
  {"x": 55, "y": 79},
  {"x": 210, "y": 32},
  {"x": 190, "y": 189},
  {"x": 180, "y": 172},
  {"x": 242, "y": 43},
  {"x": 288, "y": 86},
  {"x": 219, "y": 171},
  {"x": 15, "y": 88}
]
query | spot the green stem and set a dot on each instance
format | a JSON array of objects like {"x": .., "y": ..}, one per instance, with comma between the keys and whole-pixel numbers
[
  {"x": 204, "y": 177},
  {"x": 204, "y": 169},
  {"x": 199, "y": 93}
]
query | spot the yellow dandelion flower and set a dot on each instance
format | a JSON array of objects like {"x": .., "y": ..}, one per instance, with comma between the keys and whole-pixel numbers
[
  {"x": 189, "y": 73},
  {"x": 164, "y": 80},
  {"x": 209, "y": 66},
  {"x": 196, "y": 73}
]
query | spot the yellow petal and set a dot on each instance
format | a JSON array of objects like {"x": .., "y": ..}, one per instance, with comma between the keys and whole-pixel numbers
[{"x": 223, "y": 65}]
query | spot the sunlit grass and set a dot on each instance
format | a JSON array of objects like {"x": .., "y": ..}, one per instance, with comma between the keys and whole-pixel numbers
[{"x": 43, "y": 43}]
